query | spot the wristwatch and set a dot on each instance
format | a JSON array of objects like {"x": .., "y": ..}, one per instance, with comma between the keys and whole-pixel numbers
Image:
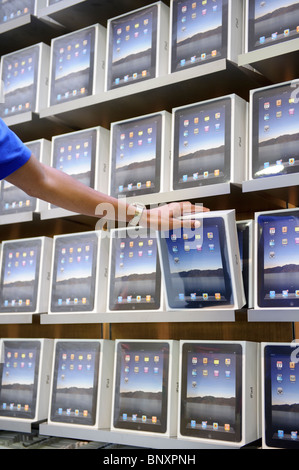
[{"x": 139, "y": 208}]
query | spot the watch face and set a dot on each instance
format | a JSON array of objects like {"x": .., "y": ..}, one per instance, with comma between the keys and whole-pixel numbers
[{"x": 137, "y": 214}]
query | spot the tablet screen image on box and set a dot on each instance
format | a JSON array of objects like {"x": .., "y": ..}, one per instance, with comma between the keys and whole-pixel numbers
[
  {"x": 73, "y": 275},
  {"x": 15, "y": 9},
  {"x": 72, "y": 66},
  {"x": 75, "y": 382},
  {"x": 135, "y": 275},
  {"x": 136, "y": 156},
  {"x": 19, "y": 380},
  {"x": 196, "y": 266},
  {"x": 19, "y": 78},
  {"x": 132, "y": 46},
  {"x": 281, "y": 414},
  {"x": 211, "y": 391},
  {"x": 278, "y": 259},
  {"x": 12, "y": 199},
  {"x": 75, "y": 154},
  {"x": 275, "y": 131},
  {"x": 141, "y": 386},
  {"x": 20, "y": 275},
  {"x": 272, "y": 22},
  {"x": 199, "y": 32},
  {"x": 202, "y": 144}
]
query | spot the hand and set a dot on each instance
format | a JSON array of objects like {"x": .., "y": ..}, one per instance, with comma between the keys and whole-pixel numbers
[{"x": 168, "y": 216}]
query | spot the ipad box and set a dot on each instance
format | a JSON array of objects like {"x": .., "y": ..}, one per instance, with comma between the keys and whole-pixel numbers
[
  {"x": 245, "y": 230},
  {"x": 14, "y": 201},
  {"x": 273, "y": 132},
  {"x": 84, "y": 155},
  {"x": 209, "y": 372},
  {"x": 276, "y": 260},
  {"x": 137, "y": 46},
  {"x": 204, "y": 32},
  {"x": 77, "y": 65},
  {"x": 140, "y": 156},
  {"x": 134, "y": 274},
  {"x": 25, "y": 275},
  {"x": 24, "y": 80},
  {"x": 14, "y": 9},
  {"x": 84, "y": 365},
  {"x": 79, "y": 273},
  {"x": 267, "y": 24},
  {"x": 144, "y": 398},
  {"x": 209, "y": 143},
  {"x": 201, "y": 267},
  {"x": 279, "y": 375},
  {"x": 25, "y": 381}
]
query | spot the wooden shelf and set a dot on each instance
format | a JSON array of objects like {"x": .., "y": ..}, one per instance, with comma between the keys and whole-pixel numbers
[
  {"x": 188, "y": 86},
  {"x": 26, "y": 31},
  {"x": 76, "y": 14},
  {"x": 129, "y": 438},
  {"x": 185, "y": 316}
]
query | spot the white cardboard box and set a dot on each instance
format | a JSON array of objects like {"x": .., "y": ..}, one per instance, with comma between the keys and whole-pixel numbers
[
  {"x": 163, "y": 148},
  {"x": 161, "y": 24},
  {"x": 93, "y": 280},
  {"x": 39, "y": 56},
  {"x": 257, "y": 256},
  {"x": 268, "y": 172},
  {"x": 271, "y": 440},
  {"x": 276, "y": 37},
  {"x": 248, "y": 396},
  {"x": 95, "y": 64},
  {"x": 41, "y": 379},
  {"x": 103, "y": 390},
  {"x": 233, "y": 27},
  {"x": 40, "y": 282},
  {"x": 138, "y": 235},
  {"x": 170, "y": 389},
  {"x": 235, "y": 168},
  {"x": 231, "y": 247}
]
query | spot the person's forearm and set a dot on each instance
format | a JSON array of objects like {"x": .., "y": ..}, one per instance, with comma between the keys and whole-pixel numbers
[
  {"x": 63, "y": 191},
  {"x": 58, "y": 188}
]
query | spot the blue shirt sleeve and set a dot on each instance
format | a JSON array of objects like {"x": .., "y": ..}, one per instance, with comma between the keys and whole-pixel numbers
[{"x": 13, "y": 153}]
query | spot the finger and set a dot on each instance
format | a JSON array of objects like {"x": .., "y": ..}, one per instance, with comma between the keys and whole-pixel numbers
[
  {"x": 178, "y": 209},
  {"x": 175, "y": 223}
]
